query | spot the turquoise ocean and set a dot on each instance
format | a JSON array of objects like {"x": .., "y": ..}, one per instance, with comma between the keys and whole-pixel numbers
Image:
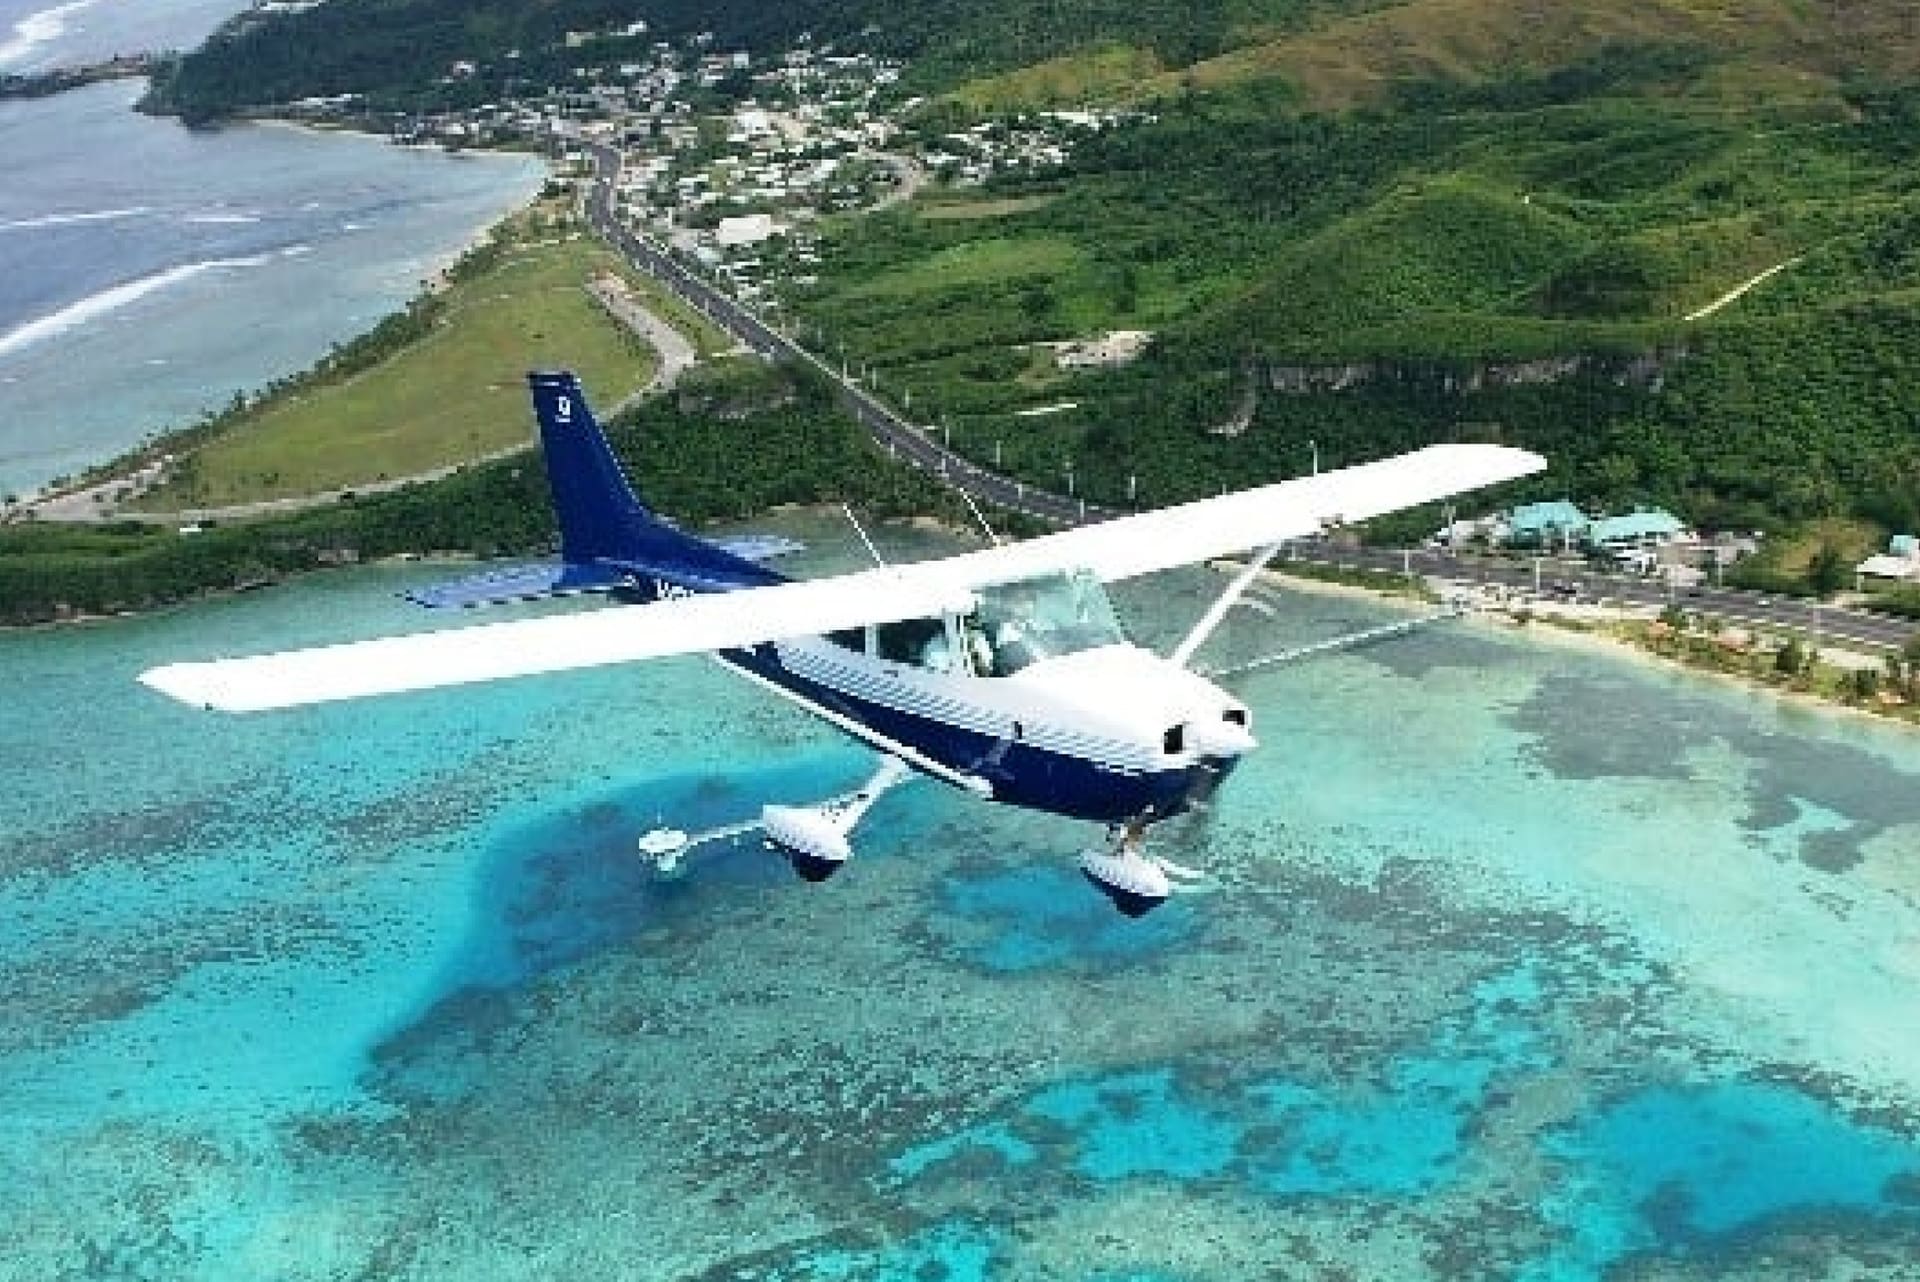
[{"x": 1521, "y": 960}]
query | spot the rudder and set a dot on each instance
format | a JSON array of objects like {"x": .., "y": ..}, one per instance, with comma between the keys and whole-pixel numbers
[
  {"x": 602, "y": 520},
  {"x": 598, "y": 511}
]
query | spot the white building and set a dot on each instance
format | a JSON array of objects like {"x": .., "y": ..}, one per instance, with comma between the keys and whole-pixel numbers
[{"x": 748, "y": 229}]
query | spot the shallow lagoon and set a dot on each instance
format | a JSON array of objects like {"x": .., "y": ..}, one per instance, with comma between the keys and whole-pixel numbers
[{"x": 1525, "y": 961}]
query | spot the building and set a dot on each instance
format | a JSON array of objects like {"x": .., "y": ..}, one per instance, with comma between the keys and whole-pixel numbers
[
  {"x": 1652, "y": 527},
  {"x": 1541, "y": 524},
  {"x": 749, "y": 229},
  {"x": 1900, "y": 563}
]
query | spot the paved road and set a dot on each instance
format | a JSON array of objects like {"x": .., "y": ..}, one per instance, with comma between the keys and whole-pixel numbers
[
  {"x": 904, "y": 440},
  {"x": 1833, "y": 624},
  {"x": 912, "y": 444}
]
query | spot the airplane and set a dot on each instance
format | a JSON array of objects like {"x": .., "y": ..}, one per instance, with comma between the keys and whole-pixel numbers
[{"x": 1004, "y": 671}]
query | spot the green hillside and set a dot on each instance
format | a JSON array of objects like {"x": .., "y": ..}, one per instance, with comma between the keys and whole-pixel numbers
[
  {"x": 1675, "y": 244},
  {"x": 398, "y": 51},
  {"x": 1517, "y": 260}
]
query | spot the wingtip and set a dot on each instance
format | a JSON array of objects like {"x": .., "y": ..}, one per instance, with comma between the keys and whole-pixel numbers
[{"x": 185, "y": 683}]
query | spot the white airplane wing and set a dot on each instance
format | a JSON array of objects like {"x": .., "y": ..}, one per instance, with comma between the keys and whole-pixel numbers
[
  {"x": 1201, "y": 531},
  {"x": 557, "y": 643},
  {"x": 1117, "y": 549}
]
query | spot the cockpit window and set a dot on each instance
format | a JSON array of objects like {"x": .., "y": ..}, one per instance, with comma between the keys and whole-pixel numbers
[{"x": 1020, "y": 623}]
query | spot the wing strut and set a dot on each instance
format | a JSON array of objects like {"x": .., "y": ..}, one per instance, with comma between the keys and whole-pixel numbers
[{"x": 1184, "y": 652}]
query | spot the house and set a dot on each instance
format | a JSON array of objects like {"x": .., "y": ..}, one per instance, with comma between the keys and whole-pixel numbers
[
  {"x": 1652, "y": 527},
  {"x": 749, "y": 229},
  {"x": 1539, "y": 524},
  {"x": 1900, "y": 563}
]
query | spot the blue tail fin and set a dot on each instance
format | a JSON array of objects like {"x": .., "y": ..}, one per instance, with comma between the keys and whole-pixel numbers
[
  {"x": 599, "y": 514},
  {"x": 601, "y": 519}
]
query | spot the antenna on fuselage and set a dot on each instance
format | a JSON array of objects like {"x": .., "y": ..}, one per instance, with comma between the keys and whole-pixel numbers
[
  {"x": 857, "y": 529},
  {"x": 980, "y": 516}
]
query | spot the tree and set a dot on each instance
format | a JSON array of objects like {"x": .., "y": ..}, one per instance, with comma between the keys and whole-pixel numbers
[
  {"x": 1865, "y": 682},
  {"x": 1827, "y": 572},
  {"x": 1790, "y": 658}
]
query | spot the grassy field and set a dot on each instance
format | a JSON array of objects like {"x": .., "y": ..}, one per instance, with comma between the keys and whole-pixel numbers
[
  {"x": 455, "y": 395},
  {"x": 1108, "y": 74},
  {"x": 946, "y": 207}
]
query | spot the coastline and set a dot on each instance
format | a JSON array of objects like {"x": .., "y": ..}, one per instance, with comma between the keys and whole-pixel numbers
[
  {"x": 1600, "y": 636},
  {"x": 355, "y": 249},
  {"x": 124, "y": 468}
]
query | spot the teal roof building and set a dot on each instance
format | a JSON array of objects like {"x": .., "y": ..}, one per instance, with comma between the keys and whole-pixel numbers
[
  {"x": 1545, "y": 522},
  {"x": 1652, "y": 526}
]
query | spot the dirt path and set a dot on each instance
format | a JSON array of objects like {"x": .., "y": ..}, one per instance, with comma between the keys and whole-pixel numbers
[
  {"x": 1741, "y": 288},
  {"x": 676, "y": 352}
]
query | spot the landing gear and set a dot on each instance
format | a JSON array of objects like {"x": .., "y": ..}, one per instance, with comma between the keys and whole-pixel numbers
[
  {"x": 1135, "y": 882},
  {"x": 814, "y": 839}
]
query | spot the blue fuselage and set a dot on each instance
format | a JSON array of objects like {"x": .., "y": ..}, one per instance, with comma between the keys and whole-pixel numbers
[{"x": 1012, "y": 769}]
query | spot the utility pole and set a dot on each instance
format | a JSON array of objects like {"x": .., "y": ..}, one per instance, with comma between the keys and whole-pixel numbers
[{"x": 1315, "y": 448}]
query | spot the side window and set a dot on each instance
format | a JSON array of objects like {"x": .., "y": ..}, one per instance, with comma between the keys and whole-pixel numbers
[
  {"x": 920, "y": 642},
  {"x": 854, "y": 639}
]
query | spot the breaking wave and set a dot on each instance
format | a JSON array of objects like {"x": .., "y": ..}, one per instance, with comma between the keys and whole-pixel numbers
[
  {"x": 37, "y": 29},
  {"x": 94, "y": 306},
  {"x": 68, "y": 220}
]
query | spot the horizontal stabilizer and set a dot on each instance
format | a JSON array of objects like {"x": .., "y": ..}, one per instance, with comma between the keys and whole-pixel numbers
[
  {"x": 519, "y": 583},
  {"x": 758, "y": 547}
]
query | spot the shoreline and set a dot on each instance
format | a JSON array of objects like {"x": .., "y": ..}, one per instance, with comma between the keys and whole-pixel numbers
[
  {"x": 1600, "y": 636},
  {"x": 126, "y": 467},
  {"x": 116, "y": 470}
]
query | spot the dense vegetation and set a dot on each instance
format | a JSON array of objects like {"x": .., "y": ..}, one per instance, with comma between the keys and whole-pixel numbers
[
  {"x": 1515, "y": 263},
  {"x": 398, "y": 52},
  {"x": 737, "y": 440}
]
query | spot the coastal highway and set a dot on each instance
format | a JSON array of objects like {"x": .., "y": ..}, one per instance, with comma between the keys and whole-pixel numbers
[
  {"x": 912, "y": 444},
  {"x": 1828, "y": 624},
  {"x": 902, "y": 439}
]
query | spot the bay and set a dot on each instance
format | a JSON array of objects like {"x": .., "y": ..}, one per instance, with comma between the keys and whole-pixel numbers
[{"x": 149, "y": 272}]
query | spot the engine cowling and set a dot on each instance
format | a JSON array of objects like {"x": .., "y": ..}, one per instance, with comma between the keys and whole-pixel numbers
[{"x": 812, "y": 842}]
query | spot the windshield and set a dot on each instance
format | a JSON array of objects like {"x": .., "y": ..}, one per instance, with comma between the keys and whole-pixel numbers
[{"x": 1021, "y": 623}]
